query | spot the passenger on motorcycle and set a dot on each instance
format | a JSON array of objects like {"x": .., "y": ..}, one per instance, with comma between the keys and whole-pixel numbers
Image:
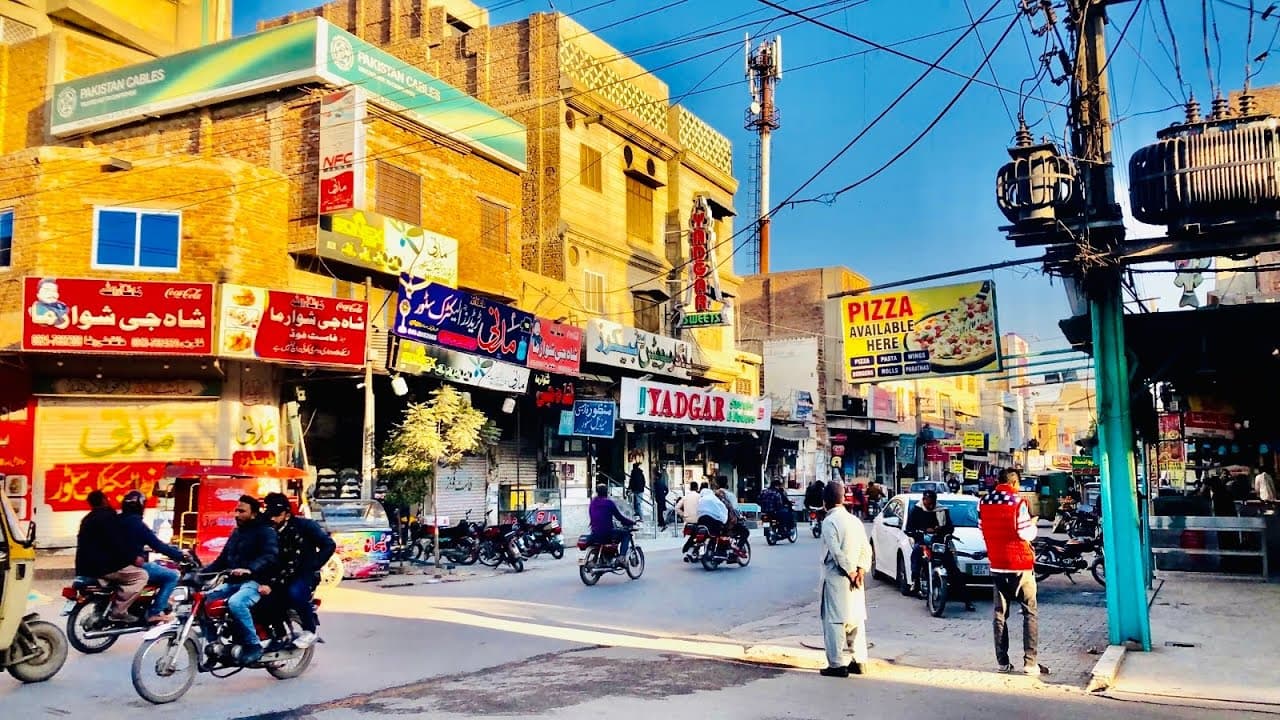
[
  {"x": 103, "y": 551},
  {"x": 775, "y": 503},
  {"x": 602, "y": 511},
  {"x": 141, "y": 538},
  {"x": 712, "y": 514},
  {"x": 813, "y": 496},
  {"x": 304, "y": 548},
  {"x": 733, "y": 526},
  {"x": 922, "y": 523},
  {"x": 250, "y": 554}
]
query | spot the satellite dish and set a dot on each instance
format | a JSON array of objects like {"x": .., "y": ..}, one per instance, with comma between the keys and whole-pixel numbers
[{"x": 755, "y": 108}]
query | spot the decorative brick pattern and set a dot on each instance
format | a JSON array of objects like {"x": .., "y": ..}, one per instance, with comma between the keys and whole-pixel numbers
[
  {"x": 597, "y": 77},
  {"x": 700, "y": 139}
]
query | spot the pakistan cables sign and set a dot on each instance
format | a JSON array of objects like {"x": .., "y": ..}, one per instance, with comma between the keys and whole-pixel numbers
[{"x": 944, "y": 330}]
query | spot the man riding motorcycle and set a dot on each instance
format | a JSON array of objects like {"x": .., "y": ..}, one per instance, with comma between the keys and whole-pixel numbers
[
  {"x": 602, "y": 512},
  {"x": 922, "y": 523},
  {"x": 712, "y": 514},
  {"x": 141, "y": 538},
  {"x": 304, "y": 548},
  {"x": 250, "y": 554},
  {"x": 103, "y": 551},
  {"x": 775, "y": 503}
]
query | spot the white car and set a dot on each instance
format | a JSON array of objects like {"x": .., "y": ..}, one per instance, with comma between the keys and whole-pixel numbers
[{"x": 891, "y": 548}]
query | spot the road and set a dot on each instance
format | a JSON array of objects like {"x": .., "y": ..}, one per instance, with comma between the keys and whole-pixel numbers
[{"x": 541, "y": 644}]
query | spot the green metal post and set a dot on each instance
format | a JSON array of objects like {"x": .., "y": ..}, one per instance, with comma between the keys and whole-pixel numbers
[{"x": 1127, "y": 617}]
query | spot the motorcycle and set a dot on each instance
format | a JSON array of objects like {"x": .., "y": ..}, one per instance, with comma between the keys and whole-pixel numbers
[
  {"x": 600, "y": 558},
  {"x": 1066, "y": 557},
  {"x": 939, "y": 556},
  {"x": 31, "y": 649},
  {"x": 775, "y": 530},
  {"x": 89, "y": 629},
  {"x": 816, "y": 516},
  {"x": 542, "y": 538},
  {"x": 499, "y": 544},
  {"x": 721, "y": 549},
  {"x": 203, "y": 639},
  {"x": 458, "y": 543}
]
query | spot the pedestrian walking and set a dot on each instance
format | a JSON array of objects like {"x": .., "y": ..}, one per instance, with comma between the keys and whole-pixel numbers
[
  {"x": 845, "y": 563},
  {"x": 1008, "y": 529},
  {"x": 660, "y": 489},
  {"x": 636, "y": 486}
]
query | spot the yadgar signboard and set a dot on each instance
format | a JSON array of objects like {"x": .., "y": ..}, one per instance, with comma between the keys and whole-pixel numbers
[
  {"x": 117, "y": 316},
  {"x": 386, "y": 245},
  {"x": 684, "y": 405},
  {"x": 609, "y": 343},
  {"x": 917, "y": 333},
  {"x": 289, "y": 327},
  {"x": 309, "y": 52},
  {"x": 432, "y": 313},
  {"x": 704, "y": 281}
]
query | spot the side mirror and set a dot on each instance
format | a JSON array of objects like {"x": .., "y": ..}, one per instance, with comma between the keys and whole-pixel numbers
[
  {"x": 893, "y": 522},
  {"x": 31, "y": 535}
]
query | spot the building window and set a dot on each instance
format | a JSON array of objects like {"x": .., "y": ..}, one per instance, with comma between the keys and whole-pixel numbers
[
  {"x": 6, "y": 238},
  {"x": 647, "y": 313},
  {"x": 136, "y": 239},
  {"x": 639, "y": 212},
  {"x": 494, "y": 222},
  {"x": 399, "y": 193},
  {"x": 589, "y": 170},
  {"x": 742, "y": 386},
  {"x": 593, "y": 284}
]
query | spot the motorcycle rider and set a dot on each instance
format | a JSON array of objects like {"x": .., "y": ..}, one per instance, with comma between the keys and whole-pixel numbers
[
  {"x": 922, "y": 522},
  {"x": 304, "y": 548},
  {"x": 712, "y": 514},
  {"x": 776, "y": 503},
  {"x": 602, "y": 512},
  {"x": 250, "y": 554},
  {"x": 687, "y": 508},
  {"x": 103, "y": 551},
  {"x": 141, "y": 538}
]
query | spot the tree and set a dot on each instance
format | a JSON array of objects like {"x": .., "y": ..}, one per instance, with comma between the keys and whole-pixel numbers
[{"x": 440, "y": 432}]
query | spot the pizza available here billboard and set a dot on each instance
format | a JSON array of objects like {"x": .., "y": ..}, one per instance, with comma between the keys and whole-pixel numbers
[{"x": 947, "y": 330}]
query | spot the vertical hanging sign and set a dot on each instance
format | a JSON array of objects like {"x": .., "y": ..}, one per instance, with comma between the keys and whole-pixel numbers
[
  {"x": 704, "y": 281},
  {"x": 342, "y": 150}
]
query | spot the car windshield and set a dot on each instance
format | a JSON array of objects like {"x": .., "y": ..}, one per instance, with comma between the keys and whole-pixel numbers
[
  {"x": 964, "y": 513},
  {"x": 354, "y": 514}
]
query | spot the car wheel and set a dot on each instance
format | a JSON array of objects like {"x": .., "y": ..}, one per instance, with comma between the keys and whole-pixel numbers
[
  {"x": 875, "y": 573},
  {"x": 904, "y": 584}
]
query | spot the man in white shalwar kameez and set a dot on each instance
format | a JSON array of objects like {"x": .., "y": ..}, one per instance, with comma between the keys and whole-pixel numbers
[{"x": 846, "y": 561}]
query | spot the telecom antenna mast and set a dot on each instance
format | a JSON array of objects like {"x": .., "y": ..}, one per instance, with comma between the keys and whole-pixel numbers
[{"x": 764, "y": 70}]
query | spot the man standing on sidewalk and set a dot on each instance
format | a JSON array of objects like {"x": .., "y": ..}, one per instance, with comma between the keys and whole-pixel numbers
[
  {"x": 636, "y": 486},
  {"x": 1008, "y": 529},
  {"x": 845, "y": 563}
]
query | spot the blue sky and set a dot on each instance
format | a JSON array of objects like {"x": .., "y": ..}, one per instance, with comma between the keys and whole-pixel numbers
[{"x": 934, "y": 209}]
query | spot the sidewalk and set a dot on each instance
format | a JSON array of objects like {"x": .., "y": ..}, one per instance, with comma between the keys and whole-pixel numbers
[{"x": 1215, "y": 640}]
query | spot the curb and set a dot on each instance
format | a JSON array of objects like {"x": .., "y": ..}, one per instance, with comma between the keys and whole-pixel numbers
[{"x": 1106, "y": 669}]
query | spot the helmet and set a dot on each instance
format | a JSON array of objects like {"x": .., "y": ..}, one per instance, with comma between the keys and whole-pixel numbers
[{"x": 133, "y": 502}]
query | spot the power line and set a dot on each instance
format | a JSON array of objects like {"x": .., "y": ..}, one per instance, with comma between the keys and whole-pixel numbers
[
  {"x": 1208, "y": 63},
  {"x": 992, "y": 68},
  {"x": 1177, "y": 55}
]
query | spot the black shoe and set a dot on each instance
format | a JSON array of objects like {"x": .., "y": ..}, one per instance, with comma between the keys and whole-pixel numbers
[
  {"x": 855, "y": 668},
  {"x": 251, "y": 655},
  {"x": 842, "y": 672}
]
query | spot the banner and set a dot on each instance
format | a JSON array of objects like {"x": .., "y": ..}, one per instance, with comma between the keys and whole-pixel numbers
[
  {"x": 419, "y": 359},
  {"x": 431, "y": 313},
  {"x": 289, "y": 327},
  {"x": 595, "y": 418},
  {"x": 553, "y": 392},
  {"x": 67, "y": 485},
  {"x": 684, "y": 405},
  {"x": 555, "y": 347},
  {"x": 119, "y": 317},
  {"x": 342, "y": 150},
  {"x": 945, "y": 330},
  {"x": 906, "y": 449},
  {"x": 609, "y": 343},
  {"x": 386, "y": 245},
  {"x": 704, "y": 280},
  {"x": 974, "y": 440}
]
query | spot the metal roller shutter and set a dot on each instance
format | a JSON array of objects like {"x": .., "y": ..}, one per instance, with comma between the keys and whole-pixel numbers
[{"x": 462, "y": 489}]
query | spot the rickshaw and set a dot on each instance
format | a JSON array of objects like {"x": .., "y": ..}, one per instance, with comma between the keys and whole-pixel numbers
[{"x": 32, "y": 650}]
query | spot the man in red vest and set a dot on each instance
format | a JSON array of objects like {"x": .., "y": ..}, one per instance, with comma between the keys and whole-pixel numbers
[{"x": 1008, "y": 528}]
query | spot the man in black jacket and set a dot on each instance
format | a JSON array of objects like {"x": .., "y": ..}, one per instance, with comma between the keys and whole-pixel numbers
[
  {"x": 250, "y": 554},
  {"x": 103, "y": 551},
  {"x": 304, "y": 548}
]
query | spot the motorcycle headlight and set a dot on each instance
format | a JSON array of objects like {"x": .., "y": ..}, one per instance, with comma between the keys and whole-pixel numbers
[
  {"x": 181, "y": 595},
  {"x": 940, "y": 548}
]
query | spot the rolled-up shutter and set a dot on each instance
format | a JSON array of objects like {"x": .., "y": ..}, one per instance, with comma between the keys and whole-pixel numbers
[{"x": 461, "y": 489}]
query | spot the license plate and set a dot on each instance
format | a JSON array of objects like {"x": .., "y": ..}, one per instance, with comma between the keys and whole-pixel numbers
[
  {"x": 582, "y": 559},
  {"x": 68, "y": 606},
  {"x": 980, "y": 570}
]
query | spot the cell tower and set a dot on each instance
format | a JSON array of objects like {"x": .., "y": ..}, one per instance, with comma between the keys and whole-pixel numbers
[{"x": 764, "y": 70}]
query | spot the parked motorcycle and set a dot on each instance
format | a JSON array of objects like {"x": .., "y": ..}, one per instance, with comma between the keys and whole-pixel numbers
[
  {"x": 722, "y": 549},
  {"x": 458, "y": 543},
  {"x": 600, "y": 558},
  {"x": 542, "y": 538},
  {"x": 203, "y": 639},
  {"x": 499, "y": 544},
  {"x": 775, "y": 530},
  {"x": 89, "y": 629},
  {"x": 816, "y": 516},
  {"x": 1066, "y": 557}
]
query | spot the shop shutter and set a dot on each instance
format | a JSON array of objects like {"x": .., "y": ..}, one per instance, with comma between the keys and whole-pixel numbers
[
  {"x": 462, "y": 489},
  {"x": 509, "y": 459}
]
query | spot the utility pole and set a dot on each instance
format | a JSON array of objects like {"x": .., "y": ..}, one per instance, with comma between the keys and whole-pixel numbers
[
  {"x": 1103, "y": 229},
  {"x": 367, "y": 436},
  {"x": 764, "y": 69}
]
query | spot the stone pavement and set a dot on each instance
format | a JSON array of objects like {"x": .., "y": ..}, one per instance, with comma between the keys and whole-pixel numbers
[{"x": 1215, "y": 641}]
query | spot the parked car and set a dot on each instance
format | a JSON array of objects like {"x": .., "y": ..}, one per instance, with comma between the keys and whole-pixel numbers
[
  {"x": 920, "y": 486},
  {"x": 891, "y": 548}
]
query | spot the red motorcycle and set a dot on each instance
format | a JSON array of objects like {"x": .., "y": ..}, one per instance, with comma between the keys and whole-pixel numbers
[
  {"x": 89, "y": 629},
  {"x": 714, "y": 550}
]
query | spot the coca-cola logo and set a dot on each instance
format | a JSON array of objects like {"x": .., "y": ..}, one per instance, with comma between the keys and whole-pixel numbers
[
  {"x": 351, "y": 307},
  {"x": 184, "y": 293}
]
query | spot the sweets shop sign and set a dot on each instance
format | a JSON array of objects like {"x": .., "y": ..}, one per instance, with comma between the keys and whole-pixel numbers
[{"x": 684, "y": 405}]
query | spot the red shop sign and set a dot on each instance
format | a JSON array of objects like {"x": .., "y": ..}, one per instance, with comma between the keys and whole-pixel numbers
[
  {"x": 285, "y": 326},
  {"x": 555, "y": 347},
  {"x": 117, "y": 316},
  {"x": 67, "y": 486}
]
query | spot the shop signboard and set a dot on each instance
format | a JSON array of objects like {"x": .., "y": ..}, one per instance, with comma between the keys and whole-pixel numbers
[
  {"x": 421, "y": 359},
  {"x": 956, "y": 466},
  {"x": 255, "y": 323},
  {"x": 132, "y": 389},
  {"x": 310, "y": 52},
  {"x": 952, "y": 447},
  {"x": 555, "y": 347},
  {"x": 882, "y": 404},
  {"x": 117, "y": 316},
  {"x": 342, "y": 150},
  {"x": 595, "y": 418},
  {"x": 802, "y": 409},
  {"x": 946, "y": 330},
  {"x": 364, "y": 553},
  {"x": 67, "y": 485},
  {"x": 1171, "y": 449},
  {"x": 933, "y": 452},
  {"x": 608, "y": 343},
  {"x": 1083, "y": 465},
  {"x": 704, "y": 280},
  {"x": 683, "y": 405},
  {"x": 906, "y": 449},
  {"x": 974, "y": 441},
  {"x": 552, "y": 392},
  {"x": 1209, "y": 425},
  {"x": 385, "y": 245},
  {"x": 432, "y": 313}
]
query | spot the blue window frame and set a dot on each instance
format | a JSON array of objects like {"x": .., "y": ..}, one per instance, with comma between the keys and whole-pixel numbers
[
  {"x": 125, "y": 239},
  {"x": 6, "y": 238}
]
